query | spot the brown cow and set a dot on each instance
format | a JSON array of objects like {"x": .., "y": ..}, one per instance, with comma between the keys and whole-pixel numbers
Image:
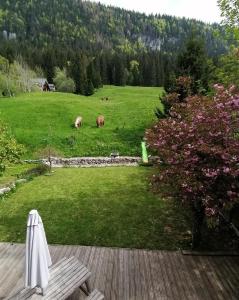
[
  {"x": 100, "y": 121},
  {"x": 78, "y": 122}
]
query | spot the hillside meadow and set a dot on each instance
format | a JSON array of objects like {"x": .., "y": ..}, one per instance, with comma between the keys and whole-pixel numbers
[
  {"x": 90, "y": 206},
  {"x": 40, "y": 119}
]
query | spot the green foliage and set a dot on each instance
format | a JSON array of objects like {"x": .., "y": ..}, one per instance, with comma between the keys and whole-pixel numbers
[
  {"x": 38, "y": 170},
  {"x": 4, "y": 64},
  {"x": 230, "y": 12},
  {"x": 78, "y": 71},
  {"x": 15, "y": 77},
  {"x": 98, "y": 43},
  {"x": 10, "y": 150},
  {"x": 89, "y": 89},
  {"x": 83, "y": 24},
  {"x": 194, "y": 62},
  {"x": 6, "y": 83},
  {"x": 13, "y": 172},
  {"x": 227, "y": 70},
  {"x": 134, "y": 72},
  {"x": 63, "y": 82},
  {"x": 159, "y": 113},
  {"x": 22, "y": 76}
]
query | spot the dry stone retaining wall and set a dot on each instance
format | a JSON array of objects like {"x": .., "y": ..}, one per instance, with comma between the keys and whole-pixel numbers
[
  {"x": 94, "y": 161},
  {"x": 12, "y": 186},
  {"x": 81, "y": 162}
]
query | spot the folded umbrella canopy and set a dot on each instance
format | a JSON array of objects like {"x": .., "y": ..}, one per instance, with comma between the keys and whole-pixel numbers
[{"x": 38, "y": 259}]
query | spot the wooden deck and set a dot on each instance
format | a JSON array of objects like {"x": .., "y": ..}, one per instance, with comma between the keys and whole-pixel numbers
[{"x": 137, "y": 274}]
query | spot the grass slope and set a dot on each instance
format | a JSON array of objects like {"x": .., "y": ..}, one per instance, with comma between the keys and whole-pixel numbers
[
  {"x": 104, "y": 207},
  {"x": 128, "y": 112},
  {"x": 12, "y": 172}
]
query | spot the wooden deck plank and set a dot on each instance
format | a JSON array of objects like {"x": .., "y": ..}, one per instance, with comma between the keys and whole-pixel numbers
[
  {"x": 183, "y": 288},
  {"x": 153, "y": 275},
  {"x": 227, "y": 281},
  {"x": 136, "y": 274},
  {"x": 131, "y": 268},
  {"x": 206, "y": 283},
  {"x": 98, "y": 279},
  {"x": 144, "y": 280},
  {"x": 9, "y": 262},
  {"x": 190, "y": 289},
  {"x": 176, "y": 292},
  {"x": 216, "y": 277},
  {"x": 115, "y": 277},
  {"x": 194, "y": 273}
]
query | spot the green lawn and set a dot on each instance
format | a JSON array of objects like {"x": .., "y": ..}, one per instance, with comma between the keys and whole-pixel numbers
[
  {"x": 104, "y": 207},
  {"x": 127, "y": 114},
  {"x": 12, "y": 172}
]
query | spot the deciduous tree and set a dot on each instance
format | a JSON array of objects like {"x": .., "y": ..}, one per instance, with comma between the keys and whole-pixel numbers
[{"x": 198, "y": 146}]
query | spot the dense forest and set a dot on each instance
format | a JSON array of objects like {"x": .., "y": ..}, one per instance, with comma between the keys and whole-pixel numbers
[{"x": 95, "y": 44}]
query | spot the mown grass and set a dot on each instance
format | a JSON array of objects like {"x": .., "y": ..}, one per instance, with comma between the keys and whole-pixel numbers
[
  {"x": 103, "y": 207},
  {"x": 39, "y": 118},
  {"x": 12, "y": 172}
]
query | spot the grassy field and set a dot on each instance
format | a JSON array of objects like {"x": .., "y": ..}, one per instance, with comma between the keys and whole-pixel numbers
[
  {"x": 40, "y": 118},
  {"x": 104, "y": 207},
  {"x": 12, "y": 172}
]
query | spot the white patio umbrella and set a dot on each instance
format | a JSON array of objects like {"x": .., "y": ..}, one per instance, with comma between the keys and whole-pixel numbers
[{"x": 38, "y": 259}]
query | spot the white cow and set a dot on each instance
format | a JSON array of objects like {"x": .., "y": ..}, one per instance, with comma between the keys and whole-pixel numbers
[{"x": 78, "y": 122}]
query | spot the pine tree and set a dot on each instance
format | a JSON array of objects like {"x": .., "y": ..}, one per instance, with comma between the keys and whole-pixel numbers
[
  {"x": 78, "y": 73},
  {"x": 89, "y": 90},
  {"x": 193, "y": 62},
  {"x": 93, "y": 74},
  {"x": 119, "y": 70}
]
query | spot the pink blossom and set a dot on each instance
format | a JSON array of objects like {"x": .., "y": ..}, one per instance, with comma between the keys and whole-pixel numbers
[
  {"x": 201, "y": 148},
  {"x": 226, "y": 170}
]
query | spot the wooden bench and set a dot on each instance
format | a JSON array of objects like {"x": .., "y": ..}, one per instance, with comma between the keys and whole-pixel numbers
[
  {"x": 65, "y": 277},
  {"x": 95, "y": 295}
]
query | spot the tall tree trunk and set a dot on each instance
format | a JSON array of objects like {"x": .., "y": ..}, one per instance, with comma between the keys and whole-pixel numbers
[{"x": 198, "y": 217}]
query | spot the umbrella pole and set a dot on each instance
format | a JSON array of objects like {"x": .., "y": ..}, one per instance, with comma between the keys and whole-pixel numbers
[{"x": 43, "y": 291}]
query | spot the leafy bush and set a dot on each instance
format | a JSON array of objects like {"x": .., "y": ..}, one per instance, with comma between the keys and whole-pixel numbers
[
  {"x": 198, "y": 145},
  {"x": 15, "y": 77},
  {"x": 63, "y": 82},
  {"x": 180, "y": 91},
  {"x": 10, "y": 150},
  {"x": 227, "y": 71}
]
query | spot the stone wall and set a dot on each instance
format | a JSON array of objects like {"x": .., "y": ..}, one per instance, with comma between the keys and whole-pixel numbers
[
  {"x": 77, "y": 162},
  {"x": 94, "y": 161},
  {"x": 12, "y": 186}
]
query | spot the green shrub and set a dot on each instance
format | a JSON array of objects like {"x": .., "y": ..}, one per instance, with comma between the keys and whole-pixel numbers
[{"x": 63, "y": 82}]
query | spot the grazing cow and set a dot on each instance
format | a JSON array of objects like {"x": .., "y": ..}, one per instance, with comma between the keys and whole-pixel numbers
[
  {"x": 78, "y": 122},
  {"x": 100, "y": 121},
  {"x": 46, "y": 87}
]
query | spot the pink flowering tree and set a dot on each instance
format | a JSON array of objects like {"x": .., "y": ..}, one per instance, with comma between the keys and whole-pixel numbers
[{"x": 198, "y": 145}]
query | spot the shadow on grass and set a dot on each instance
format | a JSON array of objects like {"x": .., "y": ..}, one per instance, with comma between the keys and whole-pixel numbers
[{"x": 136, "y": 222}]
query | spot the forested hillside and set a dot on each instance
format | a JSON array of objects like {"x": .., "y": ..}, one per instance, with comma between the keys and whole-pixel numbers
[
  {"x": 81, "y": 24},
  {"x": 113, "y": 45}
]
